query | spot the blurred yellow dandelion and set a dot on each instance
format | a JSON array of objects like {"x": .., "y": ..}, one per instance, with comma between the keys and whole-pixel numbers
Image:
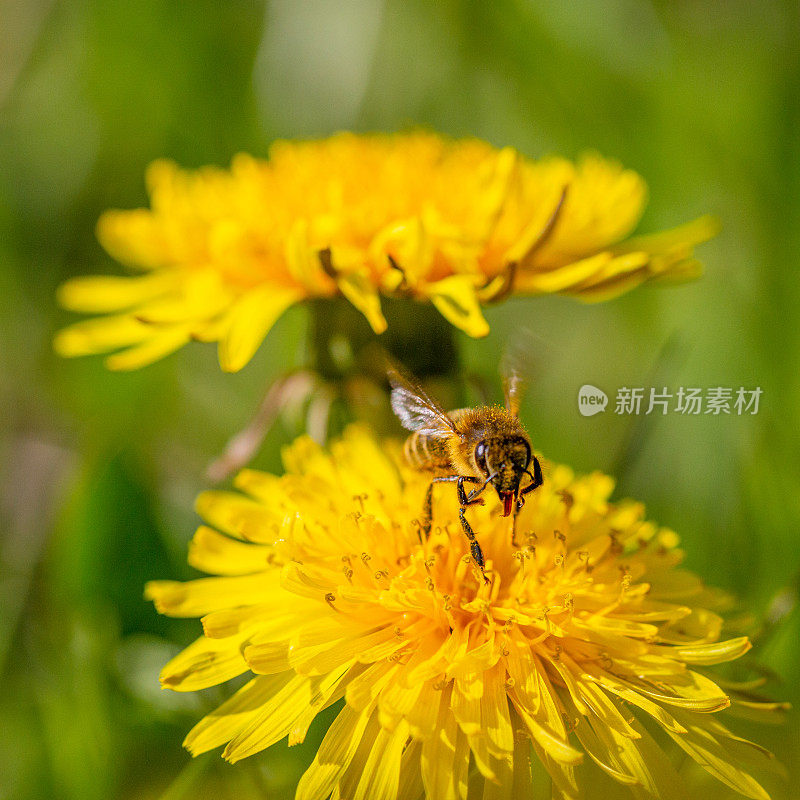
[
  {"x": 454, "y": 223},
  {"x": 588, "y": 639}
]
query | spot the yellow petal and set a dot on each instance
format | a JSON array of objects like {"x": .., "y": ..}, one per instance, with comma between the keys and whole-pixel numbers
[
  {"x": 466, "y": 703},
  {"x": 616, "y": 268},
  {"x": 204, "y": 663},
  {"x": 302, "y": 261},
  {"x": 684, "y": 236},
  {"x": 562, "y": 774},
  {"x": 495, "y": 717},
  {"x": 220, "y": 624},
  {"x": 315, "y": 661},
  {"x": 445, "y": 754},
  {"x": 558, "y": 280},
  {"x": 625, "y": 752},
  {"x": 456, "y": 299},
  {"x": 135, "y": 238},
  {"x": 423, "y": 715},
  {"x": 714, "y": 653},
  {"x": 96, "y": 294},
  {"x": 221, "y": 725},
  {"x": 397, "y": 699},
  {"x": 334, "y": 756},
  {"x": 268, "y": 658},
  {"x": 363, "y": 690},
  {"x": 238, "y": 516},
  {"x": 491, "y": 203},
  {"x": 350, "y": 778},
  {"x": 273, "y": 721},
  {"x": 202, "y": 296},
  {"x": 603, "y": 756},
  {"x": 519, "y": 663},
  {"x": 704, "y": 748},
  {"x": 522, "y": 785},
  {"x": 210, "y": 551},
  {"x": 614, "y": 287},
  {"x": 100, "y": 335},
  {"x": 249, "y": 321},
  {"x": 409, "y": 244},
  {"x": 590, "y": 699},
  {"x": 689, "y": 690},
  {"x": 380, "y": 777},
  {"x": 634, "y": 698},
  {"x": 260, "y": 485},
  {"x": 411, "y": 786},
  {"x": 199, "y": 597},
  {"x": 162, "y": 343},
  {"x": 360, "y": 291},
  {"x": 555, "y": 745},
  {"x": 328, "y": 691}
]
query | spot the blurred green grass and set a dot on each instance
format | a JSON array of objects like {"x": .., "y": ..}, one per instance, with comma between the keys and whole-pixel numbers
[{"x": 99, "y": 471}]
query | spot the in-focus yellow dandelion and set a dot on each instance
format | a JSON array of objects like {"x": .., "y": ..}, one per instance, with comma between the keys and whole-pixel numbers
[
  {"x": 588, "y": 646},
  {"x": 454, "y": 223}
]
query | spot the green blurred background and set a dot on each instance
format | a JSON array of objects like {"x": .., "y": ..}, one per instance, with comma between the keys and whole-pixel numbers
[{"x": 99, "y": 471}]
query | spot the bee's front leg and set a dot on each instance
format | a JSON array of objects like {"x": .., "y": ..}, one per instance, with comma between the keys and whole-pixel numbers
[
  {"x": 472, "y": 498},
  {"x": 465, "y": 500},
  {"x": 474, "y": 547},
  {"x": 537, "y": 479}
]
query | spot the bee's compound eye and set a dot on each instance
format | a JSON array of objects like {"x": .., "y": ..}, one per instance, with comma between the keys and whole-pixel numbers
[{"x": 480, "y": 455}]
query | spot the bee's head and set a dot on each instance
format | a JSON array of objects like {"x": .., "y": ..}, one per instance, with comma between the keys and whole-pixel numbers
[{"x": 505, "y": 461}]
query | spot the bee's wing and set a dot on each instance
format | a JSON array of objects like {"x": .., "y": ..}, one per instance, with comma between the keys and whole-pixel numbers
[
  {"x": 416, "y": 409},
  {"x": 513, "y": 382}
]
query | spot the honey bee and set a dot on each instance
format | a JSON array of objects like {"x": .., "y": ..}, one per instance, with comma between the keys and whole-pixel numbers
[{"x": 483, "y": 445}]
